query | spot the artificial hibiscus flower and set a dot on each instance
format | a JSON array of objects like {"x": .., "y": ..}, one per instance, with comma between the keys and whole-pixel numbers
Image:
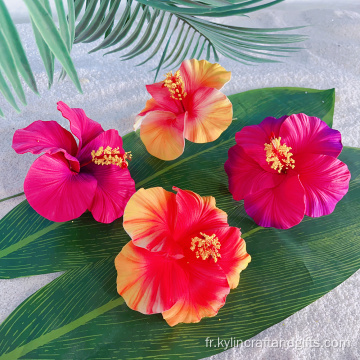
[
  {"x": 183, "y": 258},
  {"x": 186, "y": 105},
  {"x": 286, "y": 168},
  {"x": 71, "y": 178}
]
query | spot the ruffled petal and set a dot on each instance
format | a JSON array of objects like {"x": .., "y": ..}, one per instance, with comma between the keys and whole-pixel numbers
[
  {"x": 115, "y": 187},
  {"x": 196, "y": 74},
  {"x": 195, "y": 214},
  {"x": 151, "y": 105},
  {"x": 162, "y": 133},
  {"x": 56, "y": 192},
  {"x": 325, "y": 180},
  {"x": 308, "y": 134},
  {"x": 281, "y": 207},
  {"x": 149, "y": 219},
  {"x": 149, "y": 282},
  {"x": 209, "y": 114},
  {"x": 246, "y": 175},
  {"x": 207, "y": 288},
  {"x": 81, "y": 126},
  {"x": 254, "y": 137},
  {"x": 234, "y": 257},
  {"x": 164, "y": 101},
  {"x": 106, "y": 138},
  {"x": 44, "y": 137}
]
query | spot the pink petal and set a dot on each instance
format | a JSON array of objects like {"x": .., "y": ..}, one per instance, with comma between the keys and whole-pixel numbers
[
  {"x": 106, "y": 138},
  {"x": 151, "y": 105},
  {"x": 254, "y": 137},
  {"x": 308, "y": 134},
  {"x": 46, "y": 137},
  {"x": 195, "y": 214},
  {"x": 115, "y": 187},
  {"x": 209, "y": 114},
  {"x": 206, "y": 291},
  {"x": 81, "y": 126},
  {"x": 162, "y": 133},
  {"x": 163, "y": 99},
  {"x": 325, "y": 180},
  {"x": 281, "y": 207},
  {"x": 149, "y": 219},
  {"x": 246, "y": 175},
  {"x": 56, "y": 192},
  {"x": 150, "y": 282}
]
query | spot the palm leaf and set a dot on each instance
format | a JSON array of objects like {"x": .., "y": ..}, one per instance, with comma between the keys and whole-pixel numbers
[{"x": 139, "y": 27}]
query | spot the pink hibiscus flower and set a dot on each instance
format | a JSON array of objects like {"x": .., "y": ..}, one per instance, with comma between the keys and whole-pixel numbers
[
  {"x": 183, "y": 258},
  {"x": 286, "y": 168},
  {"x": 186, "y": 105},
  {"x": 68, "y": 179}
]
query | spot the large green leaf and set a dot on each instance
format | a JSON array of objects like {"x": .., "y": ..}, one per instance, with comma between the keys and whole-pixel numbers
[
  {"x": 80, "y": 316},
  {"x": 30, "y": 244}
]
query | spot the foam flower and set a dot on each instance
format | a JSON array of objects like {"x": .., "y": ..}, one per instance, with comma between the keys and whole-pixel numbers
[
  {"x": 183, "y": 258},
  {"x": 186, "y": 105},
  {"x": 286, "y": 168},
  {"x": 71, "y": 177}
]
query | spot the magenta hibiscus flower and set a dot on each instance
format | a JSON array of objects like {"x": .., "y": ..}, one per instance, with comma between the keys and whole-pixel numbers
[
  {"x": 286, "y": 168},
  {"x": 68, "y": 179}
]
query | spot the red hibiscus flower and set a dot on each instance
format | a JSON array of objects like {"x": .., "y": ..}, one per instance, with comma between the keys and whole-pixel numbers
[
  {"x": 186, "y": 105},
  {"x": 183, "y": 258},
  {"x": 71, "y": 178},
  {"x": 286, "y": 168}
]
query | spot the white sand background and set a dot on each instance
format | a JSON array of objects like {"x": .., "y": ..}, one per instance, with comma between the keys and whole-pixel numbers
[{"x": 114, "y": 92}]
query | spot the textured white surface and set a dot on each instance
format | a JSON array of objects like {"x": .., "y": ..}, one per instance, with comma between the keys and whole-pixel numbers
[{"x": 114, "y": 92}]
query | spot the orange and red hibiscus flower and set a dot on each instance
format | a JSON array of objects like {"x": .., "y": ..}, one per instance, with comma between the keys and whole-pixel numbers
[
  {"x": 186, "y": 105},
  {"x": 183, "y": 258}
]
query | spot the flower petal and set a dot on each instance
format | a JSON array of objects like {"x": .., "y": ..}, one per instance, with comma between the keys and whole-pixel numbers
[
  {"x": 106, "y": 138},
  {"x": 246, "y": 175},
  {"x": 308, "y": 134},
  {"x": 151, "y": 105},
  {"x": 149, "y": 219},
  {"x": 56, "y": 192},
  {"x": 115, "y": 187},
  {"x": 325, "y": 180},
  {"x": 195, "y": 214},
  {"x": 149, "y": 282},
  {"x": 44, "y": 136},
  {"x": 234, "y": 257},
  {"x": 81, "y": 126},
  {"x": 207, "y": 288},
  {"x": 162, "y": 96},
  {"x": 254, "y": 137},
  {"x": 162, "y": 133},
  {"x": 209, "y": 114},
  {"x": 281, "y": 207},
  {"x": 202, "y": 73}
]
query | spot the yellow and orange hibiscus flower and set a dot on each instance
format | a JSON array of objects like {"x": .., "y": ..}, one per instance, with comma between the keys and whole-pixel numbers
[
  {"x": 186, "y": 105},
  {"x": 183, "y": 258}
]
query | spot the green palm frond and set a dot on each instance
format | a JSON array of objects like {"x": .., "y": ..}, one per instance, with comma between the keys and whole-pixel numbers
[{"x": 170, "y": 29}]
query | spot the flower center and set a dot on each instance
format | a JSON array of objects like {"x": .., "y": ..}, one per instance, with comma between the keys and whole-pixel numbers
[
  {"x": 175, "y": 85},
  {"x": 109, "y": 156},
  {"x": 278, "y": 155},
  {"x": 206, "y": 247}
]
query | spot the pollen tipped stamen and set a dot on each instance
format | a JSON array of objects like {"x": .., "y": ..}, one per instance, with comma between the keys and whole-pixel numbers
[
  {"x": 278, "y": 155},
  {"x": 175, "y": 85},
  {"x": 109, "y": 156},
  {"x": 206, "y": 247}
]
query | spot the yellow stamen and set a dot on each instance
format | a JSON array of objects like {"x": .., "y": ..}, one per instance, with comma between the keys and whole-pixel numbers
[
  {"x": 279, "y": 155},
  {"x": 175, "y": 85},
  {"x": 206, "y": 247},
  {"x": 109, "y": 156}
]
